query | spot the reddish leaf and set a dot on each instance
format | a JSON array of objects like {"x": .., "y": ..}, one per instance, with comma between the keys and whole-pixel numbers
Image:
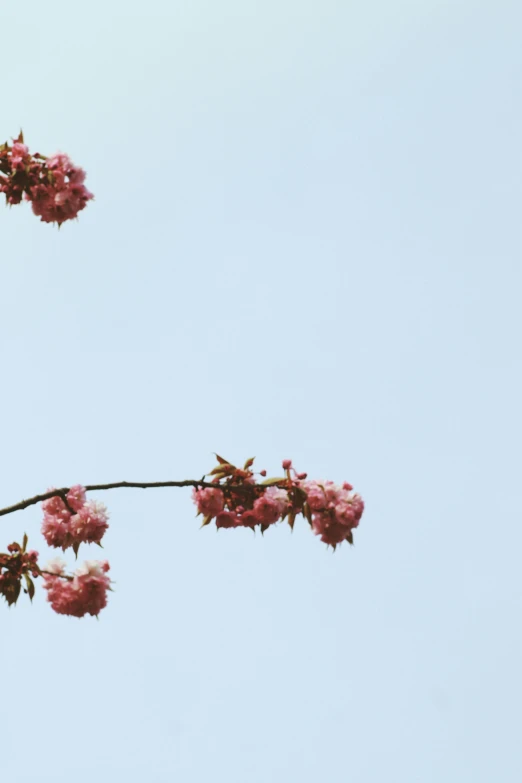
[
  {"x": 11, "y": 591},
  {"x": 30, "y": 586}
]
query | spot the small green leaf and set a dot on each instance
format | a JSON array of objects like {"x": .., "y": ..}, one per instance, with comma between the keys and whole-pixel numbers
[
  {"x": 271, "y": 481},
  {"x": 291, "y": 519},
  {"x": 223, "y": 469},
  {"x": 207, "y": 520},
  {"x": 249, "y": 463},
  {"x": 76, "y": 547},
  {"x": 24, "y": 542},
  {"x": 221, "y": 460}
]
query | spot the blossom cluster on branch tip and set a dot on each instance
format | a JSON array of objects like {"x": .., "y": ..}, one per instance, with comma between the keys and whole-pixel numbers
[
  {"x": 85, "y": 593},
  {"x": 238, "y": 501},
  {"x": 54, "y": 186}
]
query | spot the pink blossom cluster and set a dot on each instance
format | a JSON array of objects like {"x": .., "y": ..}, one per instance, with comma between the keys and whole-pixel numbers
[
  {"x": 84, "y": 593},
  {"x": 63, "y": 195},
  {"x": 266, "y": 509},
  {"x": 63, "y": 528},
  {"x": 336, "y": 511},
  {"x": 237, "y": 501},
  {"x": 54, "y": 186}
]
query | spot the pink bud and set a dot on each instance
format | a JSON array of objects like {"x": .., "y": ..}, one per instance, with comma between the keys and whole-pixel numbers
[
  {"x": 262, "y": 472},
  {"x": 302, "y": 476},
  {"x": 287, "y": 464}
]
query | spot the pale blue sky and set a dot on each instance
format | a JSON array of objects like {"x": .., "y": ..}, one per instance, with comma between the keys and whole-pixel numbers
[{"x": 305, "y": 243}]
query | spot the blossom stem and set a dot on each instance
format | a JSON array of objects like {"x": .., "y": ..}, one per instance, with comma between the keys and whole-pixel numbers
[{"x": 53, "y": 573}]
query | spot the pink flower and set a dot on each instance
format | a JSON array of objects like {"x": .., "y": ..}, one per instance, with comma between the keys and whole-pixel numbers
[
  {"x": 335, "y": 511},
  {"x": 55, "y": 186},
  {"x": 55, "y": 506},
  {"x": 226, "y": 519},
  {"x": 85, "y": 594},
  {"x": 209, "y": 501},
  {"x": 60, "y": 162},
  {"x": 19, "y": 154},
  {"x": 62, "y": 195},
  {"x": 315, "y": 495},
  {"x": 55, "y": 530},
  {"x": 358, "y": 504},
  {"x": 90, "y": 523},
  {"x": 332, "y": 533},
  {"x": 322, "y": 494},
  {"x": 76, "y": 497},
  {"x": 332, "y": 492},
  {"x": 270, "y": 506},
  {"x": 56, "y": 565},
  {"x": 279, "y": 496},
  {"x": 247, "y": 519},
  {"x": 61, "y": 528},
  {"x": 345, "y": 514}
]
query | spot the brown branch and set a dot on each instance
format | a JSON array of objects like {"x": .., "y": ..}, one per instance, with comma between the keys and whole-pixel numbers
[
  {"x": 122, "y": 485},
  {"x": 60, "y": 576}
]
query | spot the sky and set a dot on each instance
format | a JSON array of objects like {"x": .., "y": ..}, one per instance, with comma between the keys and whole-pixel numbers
[{"x": 305, "y": 243}]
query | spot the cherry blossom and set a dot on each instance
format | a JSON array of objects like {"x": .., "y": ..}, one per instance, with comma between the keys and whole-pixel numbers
[
  {"x": 54, "y": 186},
  {"x": 85, "y": 593},
  {"x": 62, "y": 528}
]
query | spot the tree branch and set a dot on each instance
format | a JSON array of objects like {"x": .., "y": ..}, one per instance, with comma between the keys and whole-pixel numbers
[{"x": 123, "y": 485}]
